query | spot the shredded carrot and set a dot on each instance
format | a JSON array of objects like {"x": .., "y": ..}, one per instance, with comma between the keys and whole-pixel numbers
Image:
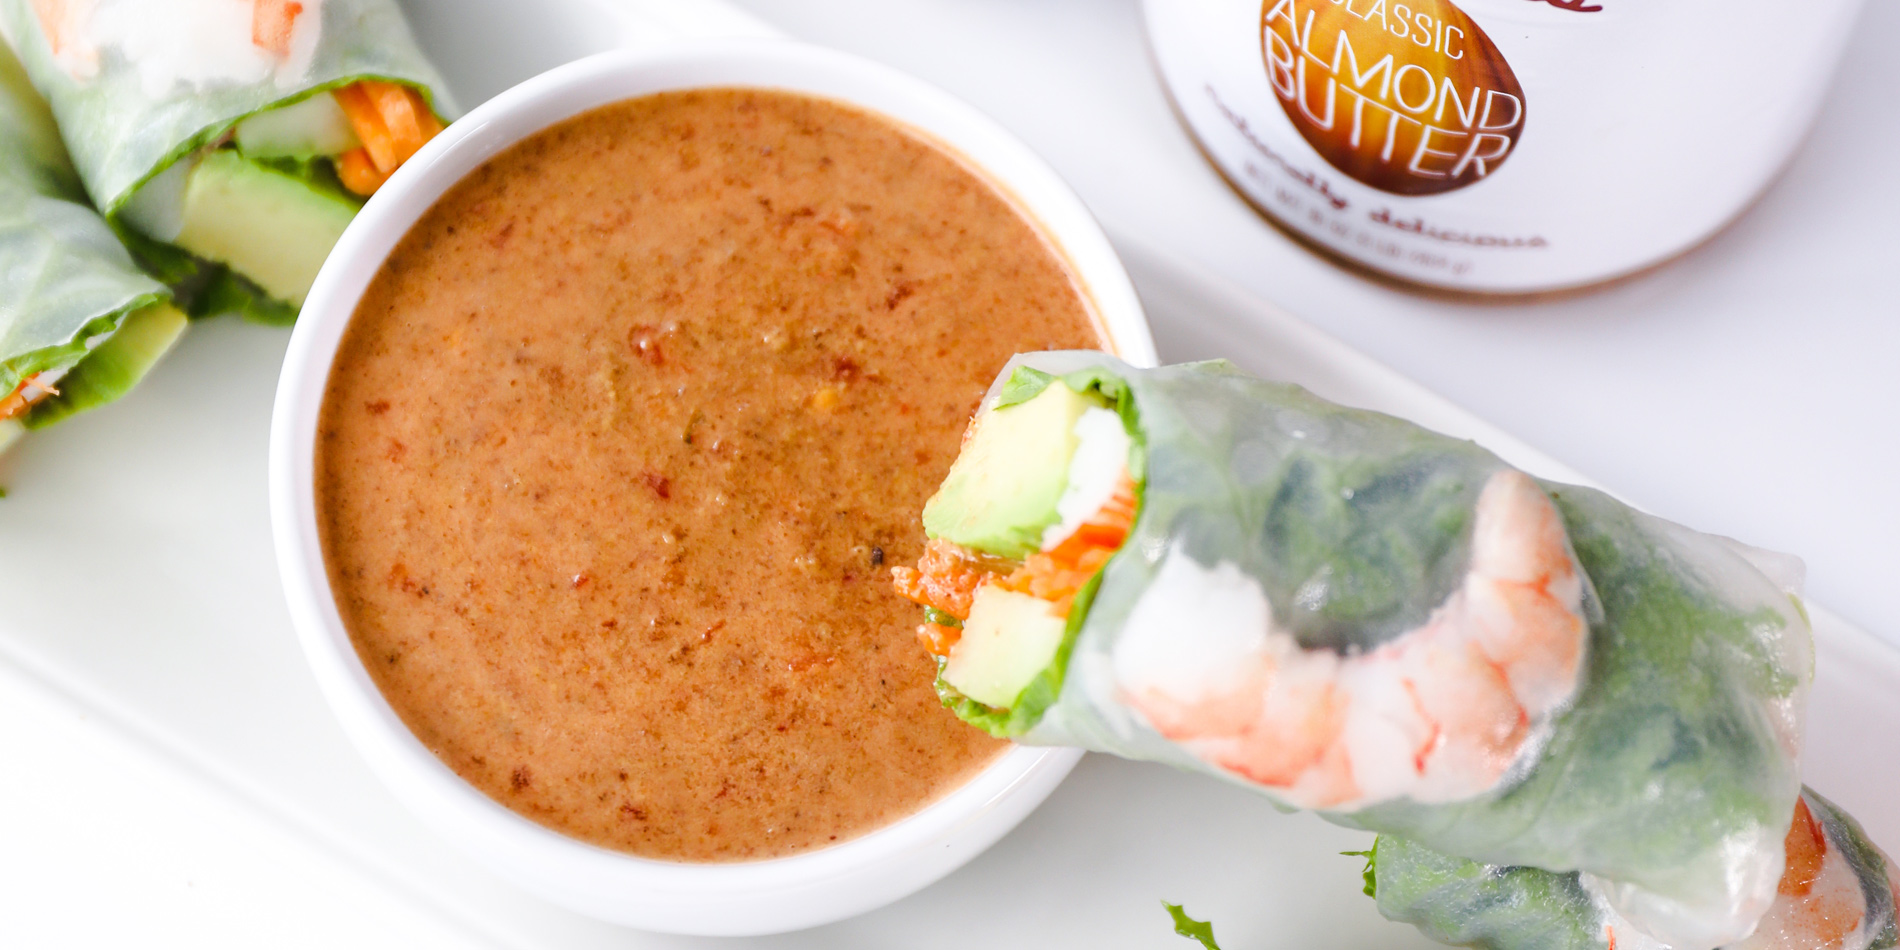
[
  {"x": 398, "y": 113},
  {"x": 1055, "y": 581},
  {"x": 392, "y": 121},
  {"x": 948, "y": 575},
  {"x": 358, "y": 172},
  {"x": 938, "y": 639},
  {"x": 1107, "y": 528},
  {"x": 271, "y": 24},
  {"x": 425, "y": 116},
  {"x": 19, "y": 401},
  {"x": 1058, "y": 574},
  {"x": 368, "y": 123}
]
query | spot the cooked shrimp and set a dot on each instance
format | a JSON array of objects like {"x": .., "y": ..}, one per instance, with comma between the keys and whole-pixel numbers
[
  {"x": 1821, "y": 903},
  {"x": 272, "y": 25},
  {"x": 1438, "y": 714},
  {"x": 64, "y": 24},
  {"x": 192, "y": 42}
]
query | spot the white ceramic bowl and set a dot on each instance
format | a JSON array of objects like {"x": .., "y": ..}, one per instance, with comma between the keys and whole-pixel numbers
[{"x": 743, "y": 898}]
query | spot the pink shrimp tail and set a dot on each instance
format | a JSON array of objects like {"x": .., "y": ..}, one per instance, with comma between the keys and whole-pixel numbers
[{"x": 1440, "y": 713}]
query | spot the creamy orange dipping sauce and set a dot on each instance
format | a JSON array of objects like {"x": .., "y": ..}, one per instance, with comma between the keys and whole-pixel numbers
[{"x": 623, "y": 439}]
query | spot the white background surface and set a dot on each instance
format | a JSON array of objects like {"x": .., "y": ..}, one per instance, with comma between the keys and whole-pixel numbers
[
  {"x": 1751, "y": 388},
  {"x": 169, "y": 776}
]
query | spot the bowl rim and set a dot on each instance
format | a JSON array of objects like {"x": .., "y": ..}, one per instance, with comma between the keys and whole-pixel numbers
[{"x": 764, "y": 896}]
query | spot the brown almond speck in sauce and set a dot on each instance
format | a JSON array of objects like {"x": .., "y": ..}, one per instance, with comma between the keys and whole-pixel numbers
[{"x": 712, "y": 344}]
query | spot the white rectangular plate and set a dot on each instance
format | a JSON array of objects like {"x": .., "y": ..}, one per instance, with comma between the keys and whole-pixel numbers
[{"x": 169, "y": 775}]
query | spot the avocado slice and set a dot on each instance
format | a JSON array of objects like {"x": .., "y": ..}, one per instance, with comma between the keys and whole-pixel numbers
[
  {"x": 1009, "y": 638},
  {"x": 274, "y": 228},
  {"x": 115, "y": 366},
  {"x": 1003, "y": 489}
]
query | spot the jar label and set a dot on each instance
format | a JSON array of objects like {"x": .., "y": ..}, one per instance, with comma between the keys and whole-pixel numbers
[
  {"x": 1410, "y": 98},
  {"x": 1393, "y": 133}
]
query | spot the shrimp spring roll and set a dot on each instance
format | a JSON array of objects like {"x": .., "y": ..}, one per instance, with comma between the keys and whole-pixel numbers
[
  {"x": 1837, "y": 892},
  {"x": 231, "y": 140},
  {"x": 79, "y": 323},
  {"x": 1354, "y": 615}
]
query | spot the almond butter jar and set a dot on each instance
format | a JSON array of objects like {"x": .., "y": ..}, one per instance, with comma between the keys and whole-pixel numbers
[{"x": 1499, "y": 146}]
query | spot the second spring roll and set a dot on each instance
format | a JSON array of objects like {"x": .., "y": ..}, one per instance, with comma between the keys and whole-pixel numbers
[
  {"x": 1838, "y": 891},
  {"x": 1354, "y": 615},
  {"x": 79, "y": 323},
  {"x": 231, "y": 141}
]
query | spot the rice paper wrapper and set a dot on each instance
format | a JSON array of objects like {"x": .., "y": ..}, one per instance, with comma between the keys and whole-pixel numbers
[
  {"x": 64, "y": 277},
  {"x": 1841, "y": 895},
  {"x": 138, "y": 84},
  {"x": 1666, "y": 776}
]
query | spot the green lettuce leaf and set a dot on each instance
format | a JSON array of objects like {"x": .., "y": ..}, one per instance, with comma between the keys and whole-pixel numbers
[
  {"x": 1371, "y": 872},
  {"x": 1186, "y": 926},
  {"x": 938, "y": 617}
]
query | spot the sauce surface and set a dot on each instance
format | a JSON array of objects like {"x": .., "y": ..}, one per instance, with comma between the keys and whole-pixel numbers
[{"x": 622, "y": 440}]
